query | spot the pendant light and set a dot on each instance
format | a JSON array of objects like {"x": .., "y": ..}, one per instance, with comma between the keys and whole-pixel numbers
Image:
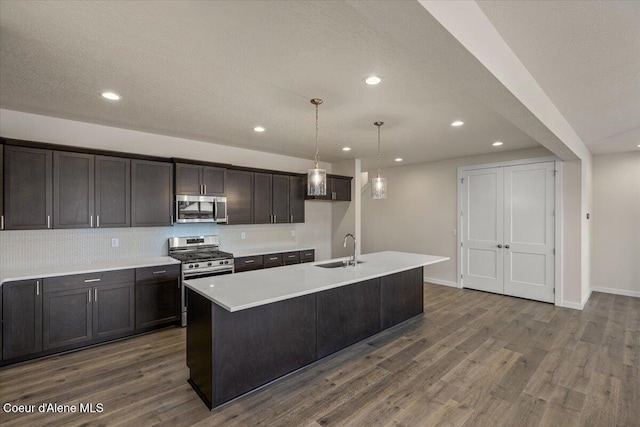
[
  {"x": 316, "y": 177},
  {"x": 379, "y": 184}
]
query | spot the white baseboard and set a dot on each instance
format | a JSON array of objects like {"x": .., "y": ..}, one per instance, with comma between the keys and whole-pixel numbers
[
  {"x": 575, "y": 305},
  {"x": 614, "y": 291},
  {"x": 440, "y": 282}
]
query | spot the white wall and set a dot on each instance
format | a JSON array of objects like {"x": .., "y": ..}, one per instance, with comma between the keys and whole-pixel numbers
[
  {"x": 21, "y": 249},
  {"x": 616, "y": 223},
  {"x": 343, "y": 214},
  {"x": 420, "y": 213},
  {"x": 572, "y": 290}
]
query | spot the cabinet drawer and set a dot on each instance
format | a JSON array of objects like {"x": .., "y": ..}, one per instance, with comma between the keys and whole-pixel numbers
[
  {"x": 248, "y": 263},
  {"x": 272, "y": 260},
  {"x": 60, "y": 283},
  {"x": 158, "y": 272},
  {"x": 291, "y": 258},
  {"x": 308, "y": 255}
]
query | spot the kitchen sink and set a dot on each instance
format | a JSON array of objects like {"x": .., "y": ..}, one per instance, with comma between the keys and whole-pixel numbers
[{"x": 335, "y": 264}]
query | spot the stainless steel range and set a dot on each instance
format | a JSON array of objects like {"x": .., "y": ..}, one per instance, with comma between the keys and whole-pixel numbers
[{"x": 201, "y": 257}]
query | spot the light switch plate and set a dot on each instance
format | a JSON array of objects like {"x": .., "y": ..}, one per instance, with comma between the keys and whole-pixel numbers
[
  {"x": 243, "y": 235},
  {"x": 115, "y": 242},
  {"x": 293, "y": 233}
]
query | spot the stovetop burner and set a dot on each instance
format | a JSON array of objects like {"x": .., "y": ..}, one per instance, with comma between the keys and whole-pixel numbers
[{"x": 201, "y": 256}]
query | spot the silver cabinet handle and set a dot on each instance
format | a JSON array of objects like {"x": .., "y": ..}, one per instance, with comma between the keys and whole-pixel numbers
[
  {"x": 171, "y": 219},
  {"x": 291, "y": 218},
  {"x": 48, "y": 221},
  {"x": 90, "y": 221},
  {"x": 248, "y": 261},
  {"x": 97, "y": 221},
  {"x": 205, "y": 189},
  {"x": 160, "y": 272},
  {"x": 273, "y": 258},
  {"x": 292, "y": 256},
  {"x": 89, "y": 295},
  {"x": 275, "y": 218},
  {"x": 1, "y": 222},
  {"x": 95, "y": 294},
  {"x": 91, "y": 280},
  {"x": 37, "y": 287}
]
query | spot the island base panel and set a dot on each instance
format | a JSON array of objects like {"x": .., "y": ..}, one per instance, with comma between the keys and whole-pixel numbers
[{"x": 401, "y": 297}]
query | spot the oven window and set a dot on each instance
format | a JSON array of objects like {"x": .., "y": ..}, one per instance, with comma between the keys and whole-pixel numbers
[{"x": 209, "y": 274}]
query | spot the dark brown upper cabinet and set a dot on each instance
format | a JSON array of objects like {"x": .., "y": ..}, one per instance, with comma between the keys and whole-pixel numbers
[
  {"x": 1, "y": 187},
  {"x": 200, "y": 180},
  {"x": 297, "y": 190},
  {"x": 28, "y": 188},
  {"x": 73, "y": 190},
  {"x": 112, "y": 191},
  {"x": 280, "y": 199},
  {"x": 262, "y": 198},
  {"x": 239, "y": 196},
  {"x": 151, "y": 193},
  {"x": 338, "y": 189}
]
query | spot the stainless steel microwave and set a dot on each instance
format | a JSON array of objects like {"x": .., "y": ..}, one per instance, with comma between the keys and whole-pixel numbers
[{"x": 201, "y": 209}]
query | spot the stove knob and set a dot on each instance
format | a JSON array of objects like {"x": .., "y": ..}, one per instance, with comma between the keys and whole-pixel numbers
[
  {"x": 190, "y": 265},
  {"x": 208, "y": 264},
  {"x": 197, "y": 265}
]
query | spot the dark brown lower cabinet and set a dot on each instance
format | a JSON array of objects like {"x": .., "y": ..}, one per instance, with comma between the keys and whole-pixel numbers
[
  {"x": 22, "y": 318},
  {"x": 87, "y": 308},
  {"x": 401, "y": 296},
  {"x": 248, "y": 263},
  {"x": 272, "y": 260},
  {"x": 289, "y": 258},
  {"x": 157, "y": 296},
  {"x": 347, "y": 314},
  {"x": 113, "y": 310},
  {"x": 232, "y": 353}
]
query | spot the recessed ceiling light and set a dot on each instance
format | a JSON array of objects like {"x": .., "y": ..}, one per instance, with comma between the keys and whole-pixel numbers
[
  {"x": 457, "y": 123},
  {"x": 373, "y": 80},
  {"x": 111, "y": 96},
  {"x": 258, "y": 129},
  {"x": 346, "y": 149},
  {"x": 398, "y": 159},
  {"x": 497, "y": 144},
  {"x": 638, "y": 145}
]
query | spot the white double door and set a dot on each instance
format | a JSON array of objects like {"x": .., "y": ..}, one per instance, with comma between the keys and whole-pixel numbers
[{"x": 508, "y": 230}]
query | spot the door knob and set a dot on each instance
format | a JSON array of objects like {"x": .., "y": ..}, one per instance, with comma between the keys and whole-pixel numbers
[
  {"x": 506, "y": 246},
  {"x": 500, "y": 246}
]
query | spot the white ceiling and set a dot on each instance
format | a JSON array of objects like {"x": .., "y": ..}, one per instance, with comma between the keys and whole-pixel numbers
[
  {"x": 211, "y": 71},
  {"x": 586, "y": 57}
]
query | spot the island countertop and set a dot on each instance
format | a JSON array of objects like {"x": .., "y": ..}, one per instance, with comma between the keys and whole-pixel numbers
[{"x": 236, "y": 292}]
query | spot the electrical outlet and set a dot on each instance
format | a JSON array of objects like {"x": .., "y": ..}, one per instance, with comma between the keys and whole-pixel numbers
[
  {"x": 243, "y": 235},
  {"x": 454, "y": 232},
  {"x": 293, "y": 233},
  {"x": 115, "y": 242}
]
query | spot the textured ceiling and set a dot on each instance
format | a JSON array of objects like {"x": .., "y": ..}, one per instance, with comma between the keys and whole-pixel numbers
[
  {"x": 586, "y": 57},
  {"x": 211, "y": 71}
]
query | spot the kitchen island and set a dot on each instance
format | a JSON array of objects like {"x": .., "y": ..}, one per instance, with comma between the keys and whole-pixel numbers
[{"x": 246, "y": 330}]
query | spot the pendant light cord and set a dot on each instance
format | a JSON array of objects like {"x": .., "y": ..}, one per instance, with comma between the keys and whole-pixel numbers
[
  {"x": 379, "y": 155},
  {"x": 317, "y": 145}
]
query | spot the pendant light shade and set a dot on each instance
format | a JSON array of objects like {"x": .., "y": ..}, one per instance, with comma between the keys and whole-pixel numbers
[
  {"x": 316, "y": 177},
  {"x": 379, "y": 184}
]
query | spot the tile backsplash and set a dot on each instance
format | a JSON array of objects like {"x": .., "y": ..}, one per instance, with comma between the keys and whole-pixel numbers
[{"x": 43, "y": 248}]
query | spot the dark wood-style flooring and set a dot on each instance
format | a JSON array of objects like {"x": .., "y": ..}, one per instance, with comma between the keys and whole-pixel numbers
[{"x": 474, "y": 359}]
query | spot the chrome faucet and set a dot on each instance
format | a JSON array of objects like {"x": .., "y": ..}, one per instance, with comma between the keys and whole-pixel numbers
[{"x": 354, "y": 258}]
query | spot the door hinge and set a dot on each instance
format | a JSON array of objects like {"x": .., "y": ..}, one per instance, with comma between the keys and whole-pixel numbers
[
  {"x": 554, "y": 251},
  {"x": 461, "y": 213},
  {"x": 553, "y": 213},
  {"x": 461, "y": 180},
  {"x": 461, "y": 276},
  {"x": 555, "y": 172},
  {"x": 461, "y": 244}
]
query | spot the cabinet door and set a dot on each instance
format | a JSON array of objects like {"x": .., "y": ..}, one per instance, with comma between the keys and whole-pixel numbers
[
  {"x": 296, "y": 198},
  {"x": 280, "y": 199},
  {"x": 308, "y": 255},
  {"x": 66, "y": 317},
  {"x": 188, "y": 179},
  {"x": 28, "y": 188},
  {"x": 401, "y": 297},
  {"x": 113, "y": 310},
  {"x": 289, "y": 258},
  {"x": 157, "y": 296},
  {"x": 262, "y": 207},
  {"x": 113, "y": 192},
  {"x": 347, "y": 314},
  {"x": 73, "y": 190},
  {"x": 151, "y": 193},
  {"x": 239, "y": 197},
  {"x": 341, "y": 189},
  {"x": 1, "y": 198},
  {"x": 22, "y": 318},
  {"x": 213, "y": 180},
  {"x": 248, "y": 263},
  {"x": 272, "y": 260}
]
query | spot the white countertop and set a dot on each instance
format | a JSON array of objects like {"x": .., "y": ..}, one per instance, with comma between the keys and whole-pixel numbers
[
  {"x": 240, "y": 291},
  {"x": 66, "y": 270},
  {"x": 267, "y": 250}
]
